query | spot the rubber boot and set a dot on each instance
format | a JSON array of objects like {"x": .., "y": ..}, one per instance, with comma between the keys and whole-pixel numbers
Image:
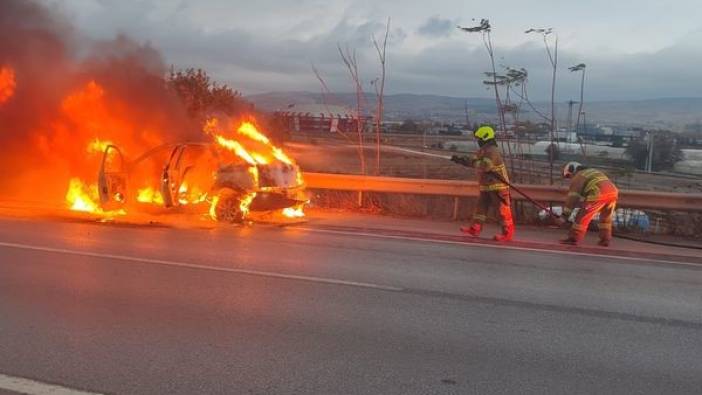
[
  {"x": 569, "y": 241},
  {"x": 506, "y": 235},
  {"x": 473, "y": 230},
  {"x": 603, "y": 243}
]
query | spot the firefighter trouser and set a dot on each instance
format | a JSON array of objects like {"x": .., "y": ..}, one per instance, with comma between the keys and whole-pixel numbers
[
  {"x": 497, "y": 199},
  {"x": 605, "y": 207}
]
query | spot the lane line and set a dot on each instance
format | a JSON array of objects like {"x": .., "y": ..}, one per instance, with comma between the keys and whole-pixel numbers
[
  {"x": 33, "y": 387},
  {"x": 200, "y": 267},
  {"x": 501, "y": 246}
]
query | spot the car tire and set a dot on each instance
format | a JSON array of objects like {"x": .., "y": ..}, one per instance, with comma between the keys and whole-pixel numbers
[{"x": 228, "y": 207}]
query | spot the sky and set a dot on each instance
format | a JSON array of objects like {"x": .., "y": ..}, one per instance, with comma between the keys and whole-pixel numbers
[{"x": 640, "y": 49}]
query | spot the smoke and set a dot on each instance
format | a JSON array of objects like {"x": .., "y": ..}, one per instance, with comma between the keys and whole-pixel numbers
[{"x": 67, "y": 91}]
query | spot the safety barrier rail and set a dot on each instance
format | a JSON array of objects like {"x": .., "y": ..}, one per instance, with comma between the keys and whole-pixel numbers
[{"x": 457, "y": 188}]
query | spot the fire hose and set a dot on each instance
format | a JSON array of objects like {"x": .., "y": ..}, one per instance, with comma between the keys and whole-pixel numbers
[{"x": 465, "y": 162}]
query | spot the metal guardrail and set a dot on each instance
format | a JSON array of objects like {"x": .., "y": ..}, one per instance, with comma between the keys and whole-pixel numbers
[{"x": 456, "y": 188}]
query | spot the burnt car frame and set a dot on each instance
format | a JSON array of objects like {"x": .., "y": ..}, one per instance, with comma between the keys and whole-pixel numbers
[{"x": 230, "y": 186}]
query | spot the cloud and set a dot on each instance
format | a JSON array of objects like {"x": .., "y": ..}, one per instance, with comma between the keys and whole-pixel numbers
[
  {"x": 423, "y": 55},
  {"x": 437, "y": 27}
]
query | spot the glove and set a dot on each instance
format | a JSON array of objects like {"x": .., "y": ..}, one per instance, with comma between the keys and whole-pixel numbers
[{"x": 462, "y": 160}]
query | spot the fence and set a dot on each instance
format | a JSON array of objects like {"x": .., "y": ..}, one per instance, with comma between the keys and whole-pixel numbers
[
  {"x": 679, "y": 214},
  {"x": 457, "y": 188}
]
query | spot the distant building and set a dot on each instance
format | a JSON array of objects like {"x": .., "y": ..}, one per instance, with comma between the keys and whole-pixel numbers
[{"x": 320, "y": 118}]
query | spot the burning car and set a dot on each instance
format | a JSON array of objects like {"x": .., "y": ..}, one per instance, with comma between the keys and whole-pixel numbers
[{"x": 227, "y": 178}]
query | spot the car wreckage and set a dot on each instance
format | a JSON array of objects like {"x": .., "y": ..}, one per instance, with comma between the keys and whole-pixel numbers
[{"x": 214, "y": 178}]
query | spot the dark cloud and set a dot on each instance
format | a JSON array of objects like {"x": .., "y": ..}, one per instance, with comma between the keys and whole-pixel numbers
[
  {"x": 256, "y": 61},
  {"x": 437, "y": 27}
]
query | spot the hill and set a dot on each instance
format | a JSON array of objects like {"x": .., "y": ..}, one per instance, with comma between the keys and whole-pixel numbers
[{"x": 663, "y": 112}]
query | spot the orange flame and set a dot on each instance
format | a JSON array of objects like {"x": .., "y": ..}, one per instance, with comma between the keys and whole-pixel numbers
[
  {"x": 293, "y": 212},
  {"x": 98, "y": 146},
  {"x": 245, "y": 203},
  {"x": 7, "y": 83},
  {"x": 213, "y": 207},
  {"x": 188, "y": 195},
  {"x": 149, "y": 195},
  {"x": 83, "y": 197},
  {"x": 249, "y": 130},
  {"x": 237, "y": 148}
]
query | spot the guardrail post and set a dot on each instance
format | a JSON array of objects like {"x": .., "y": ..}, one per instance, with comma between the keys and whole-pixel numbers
[
  {"x": 360, "y": 199},
  {"x": 455, "y": 207}
]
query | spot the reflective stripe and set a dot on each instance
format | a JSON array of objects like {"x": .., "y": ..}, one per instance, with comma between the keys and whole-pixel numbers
[
  {"x": 591, "y": 188},
  {"x": 575, "y": 194},
  {"x": 494, "y": 187},
  {"x": 605, "y": 225},
  {"x": 592, "y": 184},
  {"x": 578, "y": 227},
  {"x": 486, "y": 163}
]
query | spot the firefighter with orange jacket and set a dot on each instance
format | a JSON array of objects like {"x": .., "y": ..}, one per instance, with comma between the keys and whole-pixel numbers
[
  {"x": 590, "y": 192},
  {"x": 494, "y": 190}
]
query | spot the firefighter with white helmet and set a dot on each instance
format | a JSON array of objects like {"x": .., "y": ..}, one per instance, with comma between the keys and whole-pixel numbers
[
  {"x": 590, "y": 192},
  {"x": 493, "y": 179}
]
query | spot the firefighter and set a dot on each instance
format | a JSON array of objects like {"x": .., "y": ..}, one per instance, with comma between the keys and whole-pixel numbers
[
  {"x": 590, "y": 192},
  {"x": 494, "y": 191}
]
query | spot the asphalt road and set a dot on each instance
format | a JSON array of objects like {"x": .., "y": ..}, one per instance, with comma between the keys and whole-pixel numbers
[{"x": 268, "y": 310}]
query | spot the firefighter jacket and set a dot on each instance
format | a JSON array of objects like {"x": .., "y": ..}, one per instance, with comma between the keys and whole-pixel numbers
[
  {"x": 589, "y": 185},
  {"x": 486, "y": 161}
]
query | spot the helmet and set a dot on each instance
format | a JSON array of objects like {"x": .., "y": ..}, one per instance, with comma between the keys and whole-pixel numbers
[
  {"x": 484, "y": 133},
  {"x": 571, "y": 168}
]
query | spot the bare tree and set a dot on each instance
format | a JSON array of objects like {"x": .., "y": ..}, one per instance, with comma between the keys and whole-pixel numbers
[
  {"x": 484, "y": 28},
  {"x": 327, "y": 97},
  {"x": 552, "y": 54},
  {"x": 579, "y": 67},
  {"x": 379, "y": 84},
  {"x": 348, "y": 56}
]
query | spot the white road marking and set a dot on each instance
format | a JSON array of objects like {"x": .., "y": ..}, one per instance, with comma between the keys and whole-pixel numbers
[
  {"x": 33, "y": 387},
  {"x": 500, "y": 246},
  {"x": 200, "y": 267}
]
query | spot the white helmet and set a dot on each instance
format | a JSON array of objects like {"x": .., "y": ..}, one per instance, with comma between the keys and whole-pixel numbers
[{"x": 571, "y": 168}]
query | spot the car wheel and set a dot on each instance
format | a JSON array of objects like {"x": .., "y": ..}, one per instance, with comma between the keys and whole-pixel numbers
[{"x": 228, "y": 207}]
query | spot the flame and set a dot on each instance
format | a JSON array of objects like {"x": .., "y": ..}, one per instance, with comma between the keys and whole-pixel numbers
[
  {"x": 280, "y": 155},
  {"x": 213, "y": 206},
  {"x": 245, "y": 203},
  {"x": 98, "y": 146},
  {"x": 188, "y": 195},
  {"x": 149, "y": 195},
  {"x": 93, "y": 116},
  {"x": 83, "y": 197},
  {"x": 249, "y": 130},
  {"x": 235, "y": 147},
  {"x": 7, "y": 83},
  {"x": 293, "y": 212}
]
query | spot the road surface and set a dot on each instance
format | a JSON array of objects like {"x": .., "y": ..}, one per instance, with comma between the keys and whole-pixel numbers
[{"x": 107, "y": 308}]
